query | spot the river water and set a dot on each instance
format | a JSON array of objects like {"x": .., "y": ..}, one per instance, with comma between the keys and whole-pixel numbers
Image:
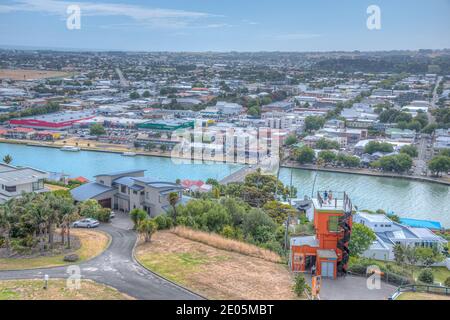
[{"x": 407, "y": 198}]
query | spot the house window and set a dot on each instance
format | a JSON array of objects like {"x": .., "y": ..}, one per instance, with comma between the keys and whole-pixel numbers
[
  {"x": 11, "y": 188},
  {"x": 123, "y": 189},
  {"x": 333, "y": 224},
  {"x": 38, "y": 185},
  {"x": 102, "y": 182}
]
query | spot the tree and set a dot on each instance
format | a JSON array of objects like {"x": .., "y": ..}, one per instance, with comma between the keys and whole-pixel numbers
[
  {"x": 439, "y": 164},
  {"x": 426, "y": 276},
  {"x": 258, "y": 225},
  {"x": 146, "y": 94},
  {"x": 7, "y": 159},
  {"x": 290, "y": 140},
  {"x": 314, "y": 123},
  {"x": 409, "y": 150},
  {"x": 279, "y": 211},
  {"x": 375, "y": 146},
  {"x": 147, "y": 228},
  {"x": 173, "y": 200},
  {"x": 300, "y": 285},
  {"x": 326, "y": 144},
  {"x": 327, "y": 156},
  {"x": 137, "y": 215},
  {"x": 428, "y": 256},
  {"x": 399, "y": 254},
  {"x": 305, "y": 155},
  {"x": 134, "y": 95},
  {"x": 361, "y": 239},
  {"x": 97, "y": 129},
  {"x": 395, "y": 163}
]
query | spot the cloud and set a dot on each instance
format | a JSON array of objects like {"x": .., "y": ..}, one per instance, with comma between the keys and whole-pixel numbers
[{"x": 143, "y": 15}]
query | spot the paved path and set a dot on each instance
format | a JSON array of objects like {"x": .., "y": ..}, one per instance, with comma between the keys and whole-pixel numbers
[
  {"x": 352, "y": 288},
  {"x": 115, "y": 267}
]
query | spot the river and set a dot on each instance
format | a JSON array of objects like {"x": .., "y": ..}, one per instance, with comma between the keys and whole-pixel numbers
[{"x": 407, "y": 198}]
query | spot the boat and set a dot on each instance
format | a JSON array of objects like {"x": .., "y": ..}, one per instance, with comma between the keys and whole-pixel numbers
[
  {"x": 129, "y": 154},
  {"x": 70, "y": 148}
]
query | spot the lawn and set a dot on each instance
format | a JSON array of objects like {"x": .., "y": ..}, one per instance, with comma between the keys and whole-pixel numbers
[
  {"x": 57, "y": 290},
  {"x": 92, "y": 244},
  {"x": 422, "y": 296},
  {"x": 215, "y": 273}
]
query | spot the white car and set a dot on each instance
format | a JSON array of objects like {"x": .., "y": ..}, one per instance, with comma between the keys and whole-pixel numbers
[{"x": 86, "y": 223}]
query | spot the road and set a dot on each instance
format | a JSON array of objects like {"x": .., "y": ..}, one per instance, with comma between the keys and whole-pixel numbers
[{"x": 115, "y": 267}]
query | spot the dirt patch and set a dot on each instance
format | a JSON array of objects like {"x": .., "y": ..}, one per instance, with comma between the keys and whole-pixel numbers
[
  {"x": 215, "y": 273},
  {"x": 21, "y": 74},
  {"x": 57, "y": 290}
]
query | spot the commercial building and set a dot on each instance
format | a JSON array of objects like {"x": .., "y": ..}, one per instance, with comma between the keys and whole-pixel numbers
[
  {"x": 53, "y": 121},
  {"x": 167, "y": 125}
]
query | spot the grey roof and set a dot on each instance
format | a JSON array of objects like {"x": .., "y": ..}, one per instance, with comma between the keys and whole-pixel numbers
[
  {"x": 89, "y": 191},
  {"x": 329, "y": 254},
  {"x": 305, "y": 241},
  {"x": 15, "y": 176},
  {"x": 117, "y": 173}
]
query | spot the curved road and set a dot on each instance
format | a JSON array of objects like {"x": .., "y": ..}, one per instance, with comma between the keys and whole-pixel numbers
[{"x": 115, "y": 267}]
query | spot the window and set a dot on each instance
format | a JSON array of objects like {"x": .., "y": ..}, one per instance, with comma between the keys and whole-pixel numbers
[
  {"x": 102, "y": 182},
  {"x": 123, "y": 189},
  {"x": 11, "y": 188},
  {"x": 333, "y": 224},
  {"x": 38, "y": 185}
]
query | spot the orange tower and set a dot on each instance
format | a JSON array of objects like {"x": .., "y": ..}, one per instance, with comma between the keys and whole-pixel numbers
[{"x": 327, "y": 250}]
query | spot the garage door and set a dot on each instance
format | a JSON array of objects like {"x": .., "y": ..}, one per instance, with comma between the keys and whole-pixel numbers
[{"x": 327, "y": 269}]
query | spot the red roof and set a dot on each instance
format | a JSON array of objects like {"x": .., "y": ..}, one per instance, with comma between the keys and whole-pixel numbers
[
  {"x": 189, "y": 183},
  {"x": 80, "y": 179}
]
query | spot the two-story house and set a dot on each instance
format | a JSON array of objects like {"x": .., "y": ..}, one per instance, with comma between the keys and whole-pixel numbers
[
  {"x": 128, "y": 190},
  {"x": 14, "y": 181}
]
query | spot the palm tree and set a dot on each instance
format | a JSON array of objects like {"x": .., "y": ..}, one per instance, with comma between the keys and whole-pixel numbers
[
  {"x": 7, "y": 159},
  {"x": 147, "y": 228},
  {"x": 173, "y": 200}
]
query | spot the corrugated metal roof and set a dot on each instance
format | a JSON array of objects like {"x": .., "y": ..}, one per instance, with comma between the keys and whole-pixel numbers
[{"x": 89, "y": 191}]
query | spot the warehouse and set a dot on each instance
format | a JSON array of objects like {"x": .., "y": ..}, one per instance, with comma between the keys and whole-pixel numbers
[{"x": 54, "y": 121}]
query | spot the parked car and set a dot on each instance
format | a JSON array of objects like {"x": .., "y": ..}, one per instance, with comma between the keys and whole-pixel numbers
[
  {"x": 86, "y": 223},
  {"x": 112, "y": 215}
]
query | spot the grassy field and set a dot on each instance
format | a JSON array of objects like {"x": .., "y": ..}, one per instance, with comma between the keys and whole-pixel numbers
[
  {"x": 19, "y": 74},
  {"x": 421, "y": 296},
  {"x": 57, "y": 290},
  {"x": 215, "y": 273},
  {"x": 92, "y": 244}
]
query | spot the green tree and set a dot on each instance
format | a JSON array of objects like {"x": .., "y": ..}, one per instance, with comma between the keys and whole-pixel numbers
[
  {"x": 428, "y": 256},
  {"x": 439, "y": 164},
  {"x": 173, "y": 200},
  {"x": 97, "y": 129},
  {"x": 314, "y": 123},
  {"x": 300, "y": 285},
  {"x": 137, "y": 215},
  {"x": 361, "y": 239},
  {"x": 146, "y": 94},
  {"x": 7, "y": 159},
  {"x": 326, "y": 144},
  {"x": 134, "y": 95},
  {"x": 375, "y": 146},
  {"x": 279, "y": 211},
  {"x": 327, "y": 156},
  {"x": 290, "y": 140},
  {"x": 409, "y": 150},
  {"x": 426, "y": 276},
  {"x": 147, "y": 228},
  {"x": 305, "y": 155}
]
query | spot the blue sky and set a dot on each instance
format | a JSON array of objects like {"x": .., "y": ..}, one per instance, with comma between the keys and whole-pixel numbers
[{"x": 226, "y": 25}]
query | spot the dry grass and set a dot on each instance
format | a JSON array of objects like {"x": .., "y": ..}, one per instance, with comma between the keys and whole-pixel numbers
[
  {"x": 422, "y": 296},
  {"x": 220, "y": 242},
  {"x": 19, "y": 74},
  {"x": 92, "y": 244},
  {"x": 57, "y": 290},
  {"x": 53, "y": 187},
  {"x": 215, "y": 273}
]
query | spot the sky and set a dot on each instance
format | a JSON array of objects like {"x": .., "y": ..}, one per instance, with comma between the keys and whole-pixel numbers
[{"x": 226, "y": 25}]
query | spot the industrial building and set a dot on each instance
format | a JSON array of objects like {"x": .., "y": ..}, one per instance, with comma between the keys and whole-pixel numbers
[{"x": 54, "y": 121}]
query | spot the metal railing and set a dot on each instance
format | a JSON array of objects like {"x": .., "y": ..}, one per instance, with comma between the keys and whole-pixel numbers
[
  {"x": 336, "y": 197},
  {"x": 428, "y": 288}
]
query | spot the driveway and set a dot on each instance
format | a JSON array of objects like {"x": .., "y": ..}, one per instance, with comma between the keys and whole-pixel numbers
[
  {"x": 115, "y": 267},
  {"x": 352, "y": 288}
]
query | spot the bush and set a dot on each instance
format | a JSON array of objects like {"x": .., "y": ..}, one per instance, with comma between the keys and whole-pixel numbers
[
  {"x": 163, "y": 222},
  {"x": 300, "y": 285},
  {"x": 447, "y": 282},
  {"x": 103, "y": 215},
  {"x": 71, "y": 257},
  {"x": 426, "y": 276}
]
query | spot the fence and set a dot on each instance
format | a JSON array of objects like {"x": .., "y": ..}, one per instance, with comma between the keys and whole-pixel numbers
[{"x": 421, "y": 288}]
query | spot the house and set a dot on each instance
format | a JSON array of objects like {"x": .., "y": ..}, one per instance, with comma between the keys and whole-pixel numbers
[
  {"x": 328, "y": 249},
  {"x": 14, "y": 181},
  {"x": 128, "y": 190},
  {"x": 389, "y": 233}
]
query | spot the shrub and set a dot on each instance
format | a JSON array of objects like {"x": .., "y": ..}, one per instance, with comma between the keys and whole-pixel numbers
[
  {"x": 103, "y": 215},
  {"x": 447, "y": 282},
  {"x": 300, "y": 285},
  {"x": 138, "y": 215},
  {"x": 426, "y": 276},
  {"x": 163, "y": 222}
]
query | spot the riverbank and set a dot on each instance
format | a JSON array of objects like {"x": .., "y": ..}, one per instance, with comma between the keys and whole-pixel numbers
[{"x": 365, "y": 172}]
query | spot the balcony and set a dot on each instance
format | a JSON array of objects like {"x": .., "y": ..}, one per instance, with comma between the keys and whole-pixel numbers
[{"x": 338, "y": 200}]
